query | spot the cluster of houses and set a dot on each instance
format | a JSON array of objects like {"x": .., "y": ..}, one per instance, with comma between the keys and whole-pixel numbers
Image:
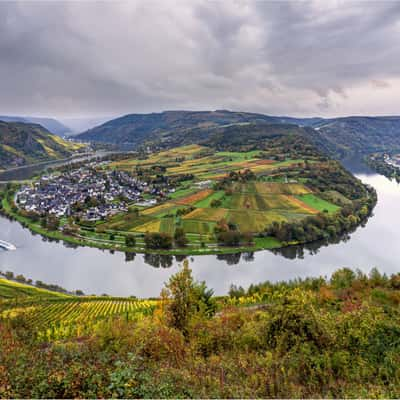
[
  {"x": 86, "y": 192},
  {"x": 393, "y": 160}
]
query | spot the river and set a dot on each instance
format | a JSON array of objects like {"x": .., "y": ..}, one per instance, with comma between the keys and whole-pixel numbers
[{"x": 96, "y": 272}]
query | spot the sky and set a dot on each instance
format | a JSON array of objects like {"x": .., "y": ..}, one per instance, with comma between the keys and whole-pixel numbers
[{"x": 89, "y": 59}]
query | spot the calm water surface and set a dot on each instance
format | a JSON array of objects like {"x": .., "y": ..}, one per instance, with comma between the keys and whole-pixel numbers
[{"x": 96, "y": 271}]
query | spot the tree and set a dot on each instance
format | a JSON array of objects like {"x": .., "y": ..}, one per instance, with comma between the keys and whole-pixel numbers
[
  {"x": 51, "y": 222},
  {"x": 180, "y": 237},
  {"x": 130, "y": 241},
  {"x": 342, "y": 278},
  {"x": 229, "y": 238},
  {"x": 216, "y": 203},
  {"x": 9, "y": 275},
  {"x": 183, "y": 298},
  {"x": 157, "y": 240},
  {"x": 236, "y": 291}
]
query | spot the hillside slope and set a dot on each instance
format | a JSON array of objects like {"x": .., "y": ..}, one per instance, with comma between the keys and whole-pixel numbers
[
  {"x": 358, "y": 135},
  {"x": 22, "y": 143},
  {"x": 11, "y": 289},
  {"x": 50, "y": 124},
  {"x": 337, "y": 136},
  {"x": 137, "y": 128}
]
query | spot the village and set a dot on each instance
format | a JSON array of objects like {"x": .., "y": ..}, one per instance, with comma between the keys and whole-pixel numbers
[
  {"x": 393, "y": 160},
  {"x": 90, "y": 192}
]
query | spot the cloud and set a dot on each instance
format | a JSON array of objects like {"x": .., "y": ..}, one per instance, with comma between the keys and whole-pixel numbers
[{"x": 109, "y": 58}]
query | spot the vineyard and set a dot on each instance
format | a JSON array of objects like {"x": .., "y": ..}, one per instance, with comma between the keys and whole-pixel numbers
[
  {"x": 58, "y": 317},
  {"x": 198, "y": 204},
  {"x": 10, "y": 289},
  {"x": 251, "y": 206}
]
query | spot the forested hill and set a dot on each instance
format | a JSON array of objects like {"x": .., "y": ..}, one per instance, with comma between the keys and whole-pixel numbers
[
  {"x": 50, "y": 124},
  {"x": 22, "y": 143},
  {"x": 138, "y": 128},
  {"x": 358, "y": 135},
  {"x": 337, "y": 136}
]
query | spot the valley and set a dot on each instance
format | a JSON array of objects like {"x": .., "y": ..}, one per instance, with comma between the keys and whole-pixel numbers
[{"x": 199, "y": 200}]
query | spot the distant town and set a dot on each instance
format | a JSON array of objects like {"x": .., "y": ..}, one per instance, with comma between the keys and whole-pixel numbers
[
  {"x": 393, "y": 160},
  {"x": 90, "y": 192}
]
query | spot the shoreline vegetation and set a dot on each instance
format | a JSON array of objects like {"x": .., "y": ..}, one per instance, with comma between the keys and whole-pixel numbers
[
  {"x": 316, "y": 337},
  {"x": 253, "y": 200}
]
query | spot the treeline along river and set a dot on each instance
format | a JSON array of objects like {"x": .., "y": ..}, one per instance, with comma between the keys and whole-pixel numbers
[{"x": 97, "y": 271}]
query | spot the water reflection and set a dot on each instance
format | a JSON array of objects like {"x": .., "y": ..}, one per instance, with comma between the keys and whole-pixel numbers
[
  {"x": 159, "y": 260},
  {"x": 130, "y": 257}
]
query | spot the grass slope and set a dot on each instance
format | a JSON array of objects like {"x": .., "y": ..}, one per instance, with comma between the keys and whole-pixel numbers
[
  {"x": 10, "y": 289},
  {"x": 317, "y": 203}
]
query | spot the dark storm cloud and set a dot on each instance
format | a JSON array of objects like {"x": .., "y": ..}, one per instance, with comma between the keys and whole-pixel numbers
[{"x": 104, "y": 58}]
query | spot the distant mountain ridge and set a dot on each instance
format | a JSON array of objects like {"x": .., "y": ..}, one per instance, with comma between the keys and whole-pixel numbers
[
  {"x": 50, "y": 124},
  {"x": 359, "y": 135},
  {"x": 336, "y": 136},
  {"x": 138, "y": 128},
  {"x": 26, "y": 143}
]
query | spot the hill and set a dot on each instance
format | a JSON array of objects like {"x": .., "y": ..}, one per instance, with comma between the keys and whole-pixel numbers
[
  {"x": 358, "y": 135},
  {"x": 337, "y": 136},
  {"x": 10, "y": 289},
  {"x": 23, "y": 143},
  {"x": 50, "y": 124},
  {"x": 138, "y": 128}
]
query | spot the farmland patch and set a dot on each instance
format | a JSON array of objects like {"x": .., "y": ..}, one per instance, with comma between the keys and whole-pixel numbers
[
  {"x": 254, "y": 221},
  {"x": 198, "y": 227},
  {"x": 195, "y": 197},
  {"x": 317, "y": 203},
  {"x": 207, "y": 214}
]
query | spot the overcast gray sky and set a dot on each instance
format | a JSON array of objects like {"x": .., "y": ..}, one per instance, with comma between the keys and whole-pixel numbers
[{"x": 71, "y": 59}]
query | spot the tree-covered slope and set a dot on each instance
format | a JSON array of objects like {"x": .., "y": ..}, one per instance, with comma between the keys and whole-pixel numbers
[
  {"x": 22, "y": 143},
  {"x": 337, "y": 136},
  {"x": 136, "y": 128},
  {"x": 358, "y": 135}
]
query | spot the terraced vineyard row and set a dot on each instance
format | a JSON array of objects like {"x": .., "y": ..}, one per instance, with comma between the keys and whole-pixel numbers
[{"x": 76, "y": 317}]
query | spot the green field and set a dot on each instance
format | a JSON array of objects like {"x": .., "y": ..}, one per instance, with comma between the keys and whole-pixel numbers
[
  {"x": 205, "y": 203},
  {"x": 198, "y": 227},
  {"x": 10, "y": 289},
  {"x": 182, "y": 193},
  {"x": 318, "y": 203},
  {"x": 254, "y": 221}
]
